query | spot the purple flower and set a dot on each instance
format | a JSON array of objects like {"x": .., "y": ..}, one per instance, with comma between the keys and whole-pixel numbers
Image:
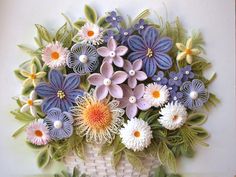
[
  {"x": 175, "y": 79},
  {"x": 133, "y": 72},
  {"x": 132, "y": 100},
  {"x": 110, "y": 34},
  {"x": 175, "y": 95},
  {"x": 151, "y": 49},
  {"x": 60, "y": 92},
  {"x": 108, "y": 81},
  {"x": 112, "y": 53},
  {"x": 140, "y": 26},
  {"x": 113, "y": 19},
  {"x": 124, "y": 35},
  {"x": 194, "y": 94},
  {"x": 187, "y": 73},
  {"x": 160, "y": 78},
  {"x": 59, "y": 124}
]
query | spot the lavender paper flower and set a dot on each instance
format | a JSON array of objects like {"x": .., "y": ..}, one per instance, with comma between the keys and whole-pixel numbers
[
  {"x": 194, "y": 94},
  {"x": 175, "y": 79},
  {"x": 110, "y": 34},
  {"x": 59, "y": 124},
  {"x": 112, "y": 53},
  {"x": 113, "y": 19},
  {"x": 134, "y": 73},
  {"x": 132, "y": 100},
  {"x": 160, "y": 78},
  {"x": 124, "y": 35},
  {"x": 60, "y": 92},
  {"x": 151, "y": 49},
  {"x": 187, "y": 73},
  {"x": 108, "y": 82},
  {"x": 140, "y": 26}
]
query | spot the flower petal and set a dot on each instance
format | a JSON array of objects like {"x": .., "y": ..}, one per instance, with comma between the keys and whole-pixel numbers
[
  {"x": 189, "y": 59},
  {"x": 71, "y": 81},
  {"x": 101, "y": 92},
  {"x": 150, "y": 36},
  {"x": 103, "y": 51},
  {"x": 45, "y": 90},
  {"x": 119, "y": 77},
  {"x": 33, "y": 111},
  {"x": 38, "y": 102},
  {"x": 136, "y": 43},
  {"x": 139, "y": 91},
  {"x": 121, "y": 50},
  {"x": 33, "y": 95},
  {"x": 140, "y": 75},
  {"x": 111, "y": 44},
  {"x": 96, "y": 79},
  {"x": 137, "y": 65},
  {"x": 150, "y": 67},
  {"x": 56, "y": 79},
  {"x": 71, "y": 95},
  {"x": 181, "y": 56},
  {"x": 127, "y": 66},
  {"x": 143, "y": 105},
  {"x": 115, "y": 91},
  {"x": 195, "y": 51},
  {"x": 106, "y": 70},
  {"x": 118, "y": 61},
  {"x": 189, "y": 43},
  {"x": 163, "y": 61},
  {"x": 198, "y": 85},
  {"x": 24, "y": 108},
  {"x": 123, "y": 102},
  {"x": 180, "y": 46},
  {"x": 136, "y": 56},
  {"x": 132, "y": 82},
  {"x": 131, "y": 110},
  {"x": 51, "y": 102},
  {"x": 163, "y": 45},
  {"x": 127, "y": 92}
]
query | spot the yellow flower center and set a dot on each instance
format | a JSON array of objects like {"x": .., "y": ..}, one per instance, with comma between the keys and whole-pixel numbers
[
  {"x": 30, "y": 102},
  {"x": 55, "y": 55},
  {"x": 188, "y": 51},
  {"x": 97, "y": 116},
  {"x": 149, "y": 53},
  {"x": 175, "y": 117},
  {"x": 137, "y": 134},
  {"x": 90, "y": 33},
  {"x": 32, "y": 76},
  {"x": 38, "y": 133},
  {"x": 156, "y": 94},
  {"x": 60, "y": 94}
]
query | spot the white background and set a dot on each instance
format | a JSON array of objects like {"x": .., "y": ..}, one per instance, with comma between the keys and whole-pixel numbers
[{"x": 215, "y": 18}]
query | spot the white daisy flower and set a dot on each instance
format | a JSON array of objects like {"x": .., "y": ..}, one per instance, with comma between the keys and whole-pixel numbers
[
  {"x": 156, "y": 94},
  {"x": 54, "y": 55},
  {"x": 90, "y": 33},
  {"x": 30, "y": 103},
  {"x": 37, "y": 133},
  {"x": 174, "y": 115},
  {"x": 136, "y": 134}
]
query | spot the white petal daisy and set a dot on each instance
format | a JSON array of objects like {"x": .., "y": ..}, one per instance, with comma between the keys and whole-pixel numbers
[
  {"x": 174, "y": 115},
  {"x": 54, "y": 55},
  {"x": 136, "y": 134},
  {"x": 90, "y": 33},
  {"x": 156, "y": 94}
]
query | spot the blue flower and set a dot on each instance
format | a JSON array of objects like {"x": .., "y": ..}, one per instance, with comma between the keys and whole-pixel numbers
[
  {"x": 59, "y": 124},
  {"x": 160, "y": 78},
  {"x": 113, "y": 19},
  {"x": 60, "y": 92},
  {"x": 175, "y": 78},
  {"x": 110, "y": 34},
  {"x": 140, "y": 26},
  {"x": 175, "y": 95},
  {"x": 83, "y": 58},
  {"x": 124, "y": 35},
  {"x": 194, "y": 94},
  {"x": 151, "y": 49},
  {"x": 187, "y": 73}
]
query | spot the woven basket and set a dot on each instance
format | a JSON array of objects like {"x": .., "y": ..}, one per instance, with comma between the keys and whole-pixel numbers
[{"x": 96, "y": 165}]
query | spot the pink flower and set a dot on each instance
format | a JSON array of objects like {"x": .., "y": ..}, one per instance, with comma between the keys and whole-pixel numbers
[
  {"x": 108, "y": 82},
  {"x": 134, "y": 73},
  {"x": 112, "y": 53},
  {"x": 133, "y": 100}
]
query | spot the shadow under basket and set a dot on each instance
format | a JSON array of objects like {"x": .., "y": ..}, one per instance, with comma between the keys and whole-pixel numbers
[{"x": 96, "y": 165}]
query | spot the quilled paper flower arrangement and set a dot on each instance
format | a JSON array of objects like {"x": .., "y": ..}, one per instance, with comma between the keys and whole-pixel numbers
[{"x": 134, "y": 92}]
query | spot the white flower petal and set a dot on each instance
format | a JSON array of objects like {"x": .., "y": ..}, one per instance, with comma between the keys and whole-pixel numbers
[{"x": 24, "y": 108}]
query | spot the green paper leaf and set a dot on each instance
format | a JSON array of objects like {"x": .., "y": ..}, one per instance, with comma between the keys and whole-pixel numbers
[
  {"x": 174, "y": 140},
  {"x": 27, "y": 89},
  {"x": 200, "y": 64},
  {"x": 116, "y": 159},
  {"x": 212, "y": 101},
  {"x": 174, "y": 175},
  {"x": 61, "y": 33},
  {"x": 27, "y": 50},
  {"x": 43, "y": 158},
  {"x": 160, "y": 172},
  {"x": 196, "y": 119},
  {"x": 106, "y": 147},
  {"x": 43, "y": 33},
  {"x": 65, "y": 174},
  {"x": 133, "y": 160},
  {"x": 187, "y": 151},
  {"x": 37, "y": 64},
  {"x": 19, "y": 130},
  {"x": 201, "y": 132},
  {"x": 90, "y": 14},
  {"x": 23, "y": 116},
  {"x": 33, "y": 146},
  {"x": 78, "y": 24},
  {"x": 19, "y": 75},
  {"x": 84, "y": 83},
  {"x": 102, "y": 22},
  {"x": 144, "y": 14},
  {"x": 75, "y": 172},
  {"x": 67, "y": 41}
]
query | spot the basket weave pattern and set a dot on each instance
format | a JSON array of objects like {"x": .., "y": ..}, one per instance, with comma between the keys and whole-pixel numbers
[{"x": 97, "y": 165}]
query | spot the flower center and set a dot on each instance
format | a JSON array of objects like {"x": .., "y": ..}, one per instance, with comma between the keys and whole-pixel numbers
[
  {"x": 188, "y": 51},
  {"x": 97, "y": 116},
  {"x": 114, "y": 18},
  {"x": 156, "y": 94},
  {"x": 132, "y": 99},
  {"x": 90, "y": 33},
  {"x": 149, "y": 53},
  {"x": 107, "y": 82},
  {"x": 141, "y": 27},
  {"x": 55, "y": 55},
  {"x": 175, "y": 78},
  {"x": 60, "y": 94},
  {"x": 33, "y": 76},
  {"x": 112, "y": 54},
  {"x": 38, "y": 133},
  {"x": 137, "y": 133},
  {"x": 83, "y": 58},
  {"x": 30, "y": 102},
  {"x": 57, "y": 124},
  {"x": 175, "y": 117},
  {"x": 159, "y": 78},
  {"x": 126, "y": 33},
  {"x": 187, "y": 72},
  {"x": 131, "y": 72},
  {"x": 193, "y": 95}
]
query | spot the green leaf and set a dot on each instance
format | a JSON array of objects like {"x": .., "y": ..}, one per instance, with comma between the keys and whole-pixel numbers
[
  {"x": 19, "y": 75},
  {"x": 79, "y": 149},
  {"x": 43, "y": 158},
  {"x": 37, "y": 64},
  {"x": 174, "y": 140},
  {"x": 200, "y": 64},
  {"x": 78, "y": 24},
  {"x": 187, "y": 151},
  {"x": 90, "y": 14},
  {"x": 102, "y": 22},
  {"x": 23, "y": 116},
  {"x": 27, "y": 50},
  {"x": 61, "y": 32},
  {"x": 201, "y": 132},
  {"x": 75, "y": 172},
  {"x": 152, "y": 118},
  {"x": 116, "y": 159},
  {"x": 19, "y": 130},
  {"x": 43, "y": 33},
  {"x": 106, "y": 147},
  {"x": 212, "y": 101},
  {"x": 84, "y": 83},
  {"x": 45, "y": 68},
  {"x": 142, "y": 15},
  {"x": 160, "y": 172},
  {"x": 145, "y": 114},
  {"x": 196, "y": 119},
  {"x": 33, "y": 146},
  {"x": 27, "y": 89},
  {"x": 174, "y": 175},
  {"x": 65, "y": 174},
  {"x": 133, "y": 160},
  {"x": 67, "y": 41}
]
